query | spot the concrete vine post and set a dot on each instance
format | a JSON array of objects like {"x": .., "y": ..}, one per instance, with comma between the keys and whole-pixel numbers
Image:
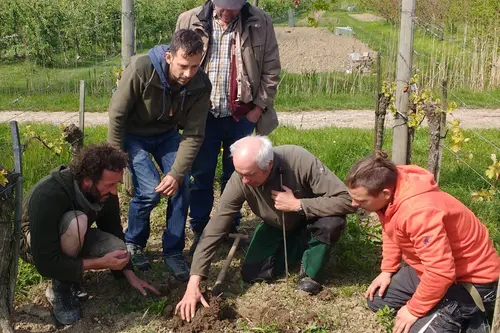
[
  {"x": 128, "y": 49},
  {"x": 400, "y": 154}
]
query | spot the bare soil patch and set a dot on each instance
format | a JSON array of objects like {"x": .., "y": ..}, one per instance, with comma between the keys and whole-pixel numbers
[
  {"x": 367, "y": 17},
  {"x": 307, "y": 49}
]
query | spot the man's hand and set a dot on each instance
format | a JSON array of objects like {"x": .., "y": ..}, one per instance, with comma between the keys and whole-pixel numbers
[
  {"x": 168, "y": 186},
  {"x": 253, "y": 115},
  {"x": 404, "y": 321},
  {"x": 285, "y": 201},
  {"x": 187, "y": 306},
  {"x": 115, "y": 260},
  {"x": 381, "y": 283},
  {"x": 139, "y": 284}
]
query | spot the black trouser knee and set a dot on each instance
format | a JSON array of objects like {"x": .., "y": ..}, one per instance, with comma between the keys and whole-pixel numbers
[
  {"x": 328, "y": 229},
  {"x": 256, "y": 271}
]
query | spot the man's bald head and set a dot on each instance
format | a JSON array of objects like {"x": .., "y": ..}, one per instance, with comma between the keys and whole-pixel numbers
[{"x": 253, "y": 159}]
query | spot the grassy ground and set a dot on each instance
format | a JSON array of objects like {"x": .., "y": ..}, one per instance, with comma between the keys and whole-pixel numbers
[{"x": 275, "y": 307}]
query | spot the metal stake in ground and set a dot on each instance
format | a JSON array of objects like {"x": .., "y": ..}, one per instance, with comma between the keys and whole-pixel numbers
[{"x": 284, "y": 233}]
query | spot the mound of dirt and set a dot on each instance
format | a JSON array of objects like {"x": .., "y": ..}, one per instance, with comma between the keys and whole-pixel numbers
[
  {"x": 219, "y": 317},
  {"x": 306, "y": 49},
  {"x": 367, "y": 17}
]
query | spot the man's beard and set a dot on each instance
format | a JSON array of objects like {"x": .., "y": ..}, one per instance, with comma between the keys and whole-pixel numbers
[{"x": 93, "y": 195}]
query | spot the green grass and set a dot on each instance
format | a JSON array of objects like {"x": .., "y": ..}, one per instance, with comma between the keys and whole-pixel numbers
[
  {"x": 356, "y": 256},
  {"x": 338, "y": 148},
  {"x": 27, "y": 277}
]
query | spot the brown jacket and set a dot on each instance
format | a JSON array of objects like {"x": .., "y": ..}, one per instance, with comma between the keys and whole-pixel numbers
[
  {"x": 141, "y": 107},
  {"x": 321, "y": 193},
  {"x": 259, "y": 53}
]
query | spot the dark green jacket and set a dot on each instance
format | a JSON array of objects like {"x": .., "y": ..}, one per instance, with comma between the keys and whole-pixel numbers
[
  {"x": 321, "y": 194},
  {"x": 43, "y": 208},
  {"x": 140, "y": 107}
]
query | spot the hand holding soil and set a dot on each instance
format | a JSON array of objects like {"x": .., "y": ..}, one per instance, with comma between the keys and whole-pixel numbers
[{"x": 116, "y": 260}]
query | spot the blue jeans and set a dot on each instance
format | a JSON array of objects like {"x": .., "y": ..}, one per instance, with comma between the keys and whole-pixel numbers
[
  {"x": 145, "y": 177},
  {"x": 219, "y": 132}
]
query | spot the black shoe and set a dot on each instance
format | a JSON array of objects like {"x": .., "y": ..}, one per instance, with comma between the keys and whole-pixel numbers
[
  {"x": 64, "y": 302},
  {"x": 309, "y": 285},
  {"x": 178, "y": 264}
]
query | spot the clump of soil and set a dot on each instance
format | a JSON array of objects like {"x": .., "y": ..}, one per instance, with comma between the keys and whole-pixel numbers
[{"x": 220, "y": 316}]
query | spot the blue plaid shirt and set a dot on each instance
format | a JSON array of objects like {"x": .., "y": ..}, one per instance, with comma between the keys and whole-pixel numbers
[{"x": 218, "y": 67}]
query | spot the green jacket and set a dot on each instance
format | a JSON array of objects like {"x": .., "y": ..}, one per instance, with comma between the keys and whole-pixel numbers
[
  {"x": 140, "y": 107},
  {"x": 43, "y": 208},
  {"x": 321, "y": 194}
]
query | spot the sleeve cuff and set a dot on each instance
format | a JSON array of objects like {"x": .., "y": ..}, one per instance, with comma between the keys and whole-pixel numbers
[{"x": 260, "y": 104}]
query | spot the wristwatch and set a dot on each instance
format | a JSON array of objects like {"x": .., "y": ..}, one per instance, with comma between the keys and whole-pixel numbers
[{"x": 301, "y": 211}]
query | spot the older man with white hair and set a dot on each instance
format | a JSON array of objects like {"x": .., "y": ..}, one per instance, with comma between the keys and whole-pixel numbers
[{"x": 282, "y": 185}]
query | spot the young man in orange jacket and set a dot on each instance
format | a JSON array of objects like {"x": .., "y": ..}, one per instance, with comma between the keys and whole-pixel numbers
[{"x": 452, "y": 270}]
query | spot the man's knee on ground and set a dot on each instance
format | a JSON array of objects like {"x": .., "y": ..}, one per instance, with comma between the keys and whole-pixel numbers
[
  {"x": 377, "y": 303},
  {"x": 329, "y": 229},
  {"x": 259, "y": 271},
  {"x": 73, "y": 228}
]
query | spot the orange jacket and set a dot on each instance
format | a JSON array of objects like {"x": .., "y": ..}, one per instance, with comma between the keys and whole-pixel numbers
[{"x": 436, "y": 235}]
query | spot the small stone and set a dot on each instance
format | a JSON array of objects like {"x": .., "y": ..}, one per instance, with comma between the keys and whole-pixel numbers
[
  {"x": 168, "y": 311},
  {"x": 35, "y": 310}
]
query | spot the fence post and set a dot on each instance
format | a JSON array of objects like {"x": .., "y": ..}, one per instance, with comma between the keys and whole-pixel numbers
[
  {"x": 291, "y": 17},
  {"x": 404, "y": 67},
  {"x": 128, "y": 46},
  {"x": 81, "y": 123},
  {"x": 128, "y": 24}
]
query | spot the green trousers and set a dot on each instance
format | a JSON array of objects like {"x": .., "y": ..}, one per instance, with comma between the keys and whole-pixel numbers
[{"x": 265, "y": 258}]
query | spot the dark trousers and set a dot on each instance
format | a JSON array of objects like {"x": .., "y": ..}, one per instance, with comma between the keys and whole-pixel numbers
[
  {"x": 220, "y": 133},
  {"x": 310, "y": 243},
  {"x": 456, "y": 311}
]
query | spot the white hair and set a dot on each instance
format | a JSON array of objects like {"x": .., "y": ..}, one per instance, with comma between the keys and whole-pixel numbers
[{"x": 264, "y": 155}]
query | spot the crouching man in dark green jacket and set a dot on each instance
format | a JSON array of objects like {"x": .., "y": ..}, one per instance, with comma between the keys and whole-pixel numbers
[
  {"x": 282, "y": 185},
  {"x": 58, "y": 213}
]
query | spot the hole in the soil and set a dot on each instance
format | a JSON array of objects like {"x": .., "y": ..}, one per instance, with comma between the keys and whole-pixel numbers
[{"x": 228, "y": 312}]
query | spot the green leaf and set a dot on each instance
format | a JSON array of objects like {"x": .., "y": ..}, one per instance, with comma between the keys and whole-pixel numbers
[{"x": 3, "y": 178}]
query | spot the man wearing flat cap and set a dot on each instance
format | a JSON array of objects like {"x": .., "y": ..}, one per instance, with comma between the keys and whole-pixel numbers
[{"x": 241, "y": 59}]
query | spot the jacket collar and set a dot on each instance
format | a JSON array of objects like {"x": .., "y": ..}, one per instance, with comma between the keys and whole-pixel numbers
[{"x": 206, "y": 15}]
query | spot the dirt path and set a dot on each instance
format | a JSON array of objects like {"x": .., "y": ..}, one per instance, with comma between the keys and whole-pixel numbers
[{"x": 474, "y": 118}]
